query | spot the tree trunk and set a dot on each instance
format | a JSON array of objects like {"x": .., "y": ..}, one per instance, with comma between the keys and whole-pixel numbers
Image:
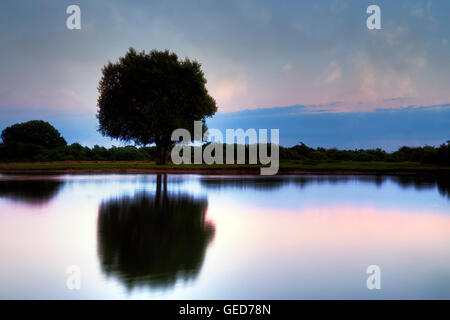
[
  {"x": 158, "y": 154},
  {"x": 165, "y": 187},
  {"x": 164, "y": 155},
  {"x": 158, "y": 190},
  {"x": 161, "y": 153}
]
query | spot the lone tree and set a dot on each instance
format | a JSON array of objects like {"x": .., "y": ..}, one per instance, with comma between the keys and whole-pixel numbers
[
  {"x": 36, "y": 132},
  {"x": 144, "y": 97}
]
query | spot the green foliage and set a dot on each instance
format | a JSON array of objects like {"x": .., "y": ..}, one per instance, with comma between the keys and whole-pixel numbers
[
  {"x": 144, "y": 97},
  {"x": 16, "y": 151},
  {"x": 443, "y": 153},
  {"x": 35, "y": 132},
  {"x": 38, "y": 141},
  {"x": 427, "y": 154},
  {"x": 20, "y": 152}
]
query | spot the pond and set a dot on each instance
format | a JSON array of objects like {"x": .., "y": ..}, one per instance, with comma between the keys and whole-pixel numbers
[{"x": 224, "y": 237}]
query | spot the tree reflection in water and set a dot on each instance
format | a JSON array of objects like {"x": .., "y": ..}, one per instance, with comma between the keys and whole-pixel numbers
[
  {"x": 30, "y": 191},
  {"x": 153, "y": 239},
  {"x": 265, "y": 183}
]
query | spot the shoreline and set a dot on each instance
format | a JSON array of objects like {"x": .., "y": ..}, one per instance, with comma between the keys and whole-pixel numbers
[
  {"x": 73, "y": 170},
  {"x": 286, "y": 168}
]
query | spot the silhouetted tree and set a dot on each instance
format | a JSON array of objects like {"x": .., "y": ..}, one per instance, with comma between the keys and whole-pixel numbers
[
  {"x": 144, "y": 97},
  {"x": 35, "y": 132}
]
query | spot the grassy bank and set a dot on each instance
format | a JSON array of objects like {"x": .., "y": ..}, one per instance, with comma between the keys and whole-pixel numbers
[{"x": 288, "y": 167}]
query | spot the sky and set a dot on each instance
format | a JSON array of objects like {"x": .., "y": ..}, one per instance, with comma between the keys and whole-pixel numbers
[{"x": 314, "y": 66}]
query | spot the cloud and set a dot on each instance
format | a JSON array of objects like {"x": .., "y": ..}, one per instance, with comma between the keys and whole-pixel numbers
[
  {"x": 379, "y": 83},
  {"x": 228, "y": 89},
  {"x": 44, "y": 99},
  {"x": 287, "y": 67},
  {"x": 335, "y": 73},
  {"x": 386, "y": 128},
  {"x": 255, "y": 11},
  {"x": 249, "y": 51},
  {"x": 419, "y": 61}
]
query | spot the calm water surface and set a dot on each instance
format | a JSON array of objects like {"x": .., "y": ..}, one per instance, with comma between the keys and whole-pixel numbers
[{"x": 224, "y": 237}]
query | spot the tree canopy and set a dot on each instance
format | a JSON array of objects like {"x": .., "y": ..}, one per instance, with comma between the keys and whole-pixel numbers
[
  {"x": 36, "y": 132},
  {"x": 144, "y": 97}
]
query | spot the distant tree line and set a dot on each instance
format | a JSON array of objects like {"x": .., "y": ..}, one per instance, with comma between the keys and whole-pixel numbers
[
  {"x": 37, "y": 141},
  {"x": 426, "y": 154}
]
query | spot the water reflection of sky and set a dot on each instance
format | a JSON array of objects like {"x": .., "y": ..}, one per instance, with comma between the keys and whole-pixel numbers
[
  {"x": 318, "y": 191},
  {"x": 290, "y": 237}
]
